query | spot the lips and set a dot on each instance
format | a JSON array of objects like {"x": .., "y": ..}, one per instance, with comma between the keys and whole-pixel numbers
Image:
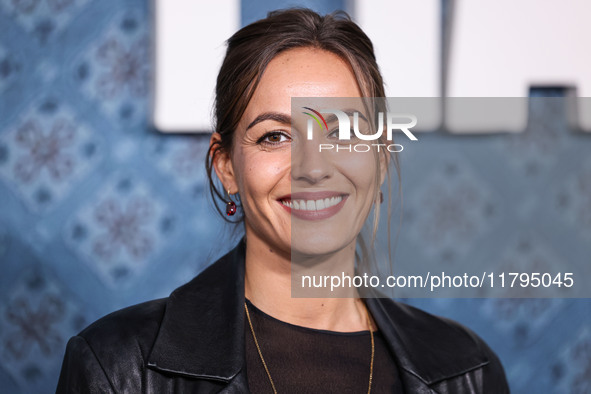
[{"x": 313, "y": 205}]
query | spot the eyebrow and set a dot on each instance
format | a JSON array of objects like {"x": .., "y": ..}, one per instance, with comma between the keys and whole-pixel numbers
[
  {"x": 333, "y": 118},
  {"x": 276, "y": 116}
]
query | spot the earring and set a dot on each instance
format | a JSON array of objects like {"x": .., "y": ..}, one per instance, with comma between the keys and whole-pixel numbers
[
  {"x": 381, "y": 197},
  {"x": 230, "y": 205}
]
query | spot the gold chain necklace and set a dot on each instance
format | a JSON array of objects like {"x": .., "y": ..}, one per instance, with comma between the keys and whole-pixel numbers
[{"x": 267, "y": 369}]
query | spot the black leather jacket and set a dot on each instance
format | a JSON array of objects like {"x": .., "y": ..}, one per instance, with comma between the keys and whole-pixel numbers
[{"x": 193, "y": 342}]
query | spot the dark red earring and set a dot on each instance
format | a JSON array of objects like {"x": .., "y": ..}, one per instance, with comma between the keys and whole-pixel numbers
[{"x": 230, "y": 206}]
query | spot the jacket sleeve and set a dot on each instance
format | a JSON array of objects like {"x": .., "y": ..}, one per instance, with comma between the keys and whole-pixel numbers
[{"x": 81, "y": 370}]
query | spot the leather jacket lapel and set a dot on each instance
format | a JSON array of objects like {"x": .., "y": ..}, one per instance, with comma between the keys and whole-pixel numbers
[
  {"x": 411, "y": 335},
  {"x": 202, "y": 332},
  {"x": 411, "y": 379}
]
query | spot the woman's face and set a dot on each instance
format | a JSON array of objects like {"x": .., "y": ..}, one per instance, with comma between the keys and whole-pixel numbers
[{"x": 294, "y": 196}]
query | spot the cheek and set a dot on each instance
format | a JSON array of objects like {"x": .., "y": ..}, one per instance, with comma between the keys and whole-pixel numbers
[
  {"x": 260, "y": 175},
  {"x": 361, "y": 170}
]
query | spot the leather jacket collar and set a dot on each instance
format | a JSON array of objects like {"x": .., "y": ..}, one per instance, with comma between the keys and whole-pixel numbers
[{"x": 202, "y": 333}]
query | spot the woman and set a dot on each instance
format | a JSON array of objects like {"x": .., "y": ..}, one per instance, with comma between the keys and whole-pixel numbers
[{"x": 235, "y": 328}]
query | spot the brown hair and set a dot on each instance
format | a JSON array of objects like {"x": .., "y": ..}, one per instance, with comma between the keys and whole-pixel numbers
[{"x": 252, "y": 48}]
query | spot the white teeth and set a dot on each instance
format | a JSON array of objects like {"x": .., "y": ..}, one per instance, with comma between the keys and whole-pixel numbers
[
  {"x": 313, "y": 205},
  {"x": 319, "y": 204}
]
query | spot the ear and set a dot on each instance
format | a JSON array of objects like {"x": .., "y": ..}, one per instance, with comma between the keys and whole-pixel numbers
[{"x": 222, "y": 164}]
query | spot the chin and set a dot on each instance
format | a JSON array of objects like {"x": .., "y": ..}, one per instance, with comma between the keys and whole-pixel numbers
[{"x": 309, "y": 246}]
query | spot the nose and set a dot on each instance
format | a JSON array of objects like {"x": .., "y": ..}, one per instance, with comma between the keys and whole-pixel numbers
[{"x": 308, "y": 163}]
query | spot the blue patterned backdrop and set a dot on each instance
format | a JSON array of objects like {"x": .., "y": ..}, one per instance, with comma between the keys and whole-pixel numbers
[{"x": 100, "y": 211}]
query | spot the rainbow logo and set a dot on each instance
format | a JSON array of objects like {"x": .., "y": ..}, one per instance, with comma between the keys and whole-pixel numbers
[{"x": 315, "y": 118}]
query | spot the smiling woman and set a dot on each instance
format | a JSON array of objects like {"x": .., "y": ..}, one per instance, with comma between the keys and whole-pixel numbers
[{"x": 235, "y": 327}]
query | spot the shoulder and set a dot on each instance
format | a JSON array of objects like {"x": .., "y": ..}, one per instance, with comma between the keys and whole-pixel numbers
[
  {"x": 414, "y": 322},
  {"x": 441, "y": 350},
  {"x": 154, "y": 342},
  {"x": 111, "y": 352},
  {"x": 132, "y": 327}
]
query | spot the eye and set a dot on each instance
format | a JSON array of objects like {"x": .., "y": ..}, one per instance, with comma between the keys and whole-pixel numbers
[
  {"x": 335, "y": 134},
  {"x": 273, "y": 138}
]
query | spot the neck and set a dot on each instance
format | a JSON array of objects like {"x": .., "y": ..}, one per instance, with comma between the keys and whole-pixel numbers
[{"x": 268, "y": 281}]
